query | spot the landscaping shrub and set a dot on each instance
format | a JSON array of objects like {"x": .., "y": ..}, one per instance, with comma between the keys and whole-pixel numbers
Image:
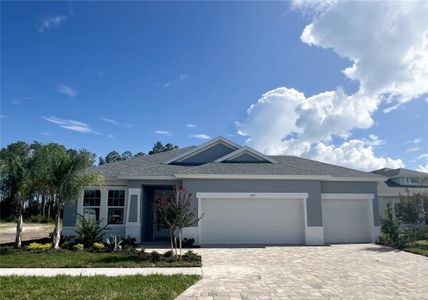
[
  {"x": 37, "y": 246},
  {"x": 155, "y": 256},
  {"x": 114, "y": 243},
  {"x": 129, "y": 243},
  {"x": 168, "y": 253},
  {"x": 98, "y": 246},
  {"x": 187, "y": 243},
  {"x": 36, "y": 219},
  {"x": 66, "y": 245},
  {"x": 79, "y": 247},
  {"x": 191, "y": 256},
  {"x": 89, "y": 231}
]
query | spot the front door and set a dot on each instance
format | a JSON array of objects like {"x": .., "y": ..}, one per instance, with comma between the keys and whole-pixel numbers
[{"x": 159, "y": 232}]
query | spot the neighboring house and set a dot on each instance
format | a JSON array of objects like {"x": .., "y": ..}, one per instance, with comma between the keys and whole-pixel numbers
[
  {"x": 245, "y": 197},
  {"x": 399, "y": 182}
]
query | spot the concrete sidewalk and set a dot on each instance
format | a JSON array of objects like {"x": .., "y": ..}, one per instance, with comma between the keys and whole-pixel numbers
[{"x": 50, "y": 272}]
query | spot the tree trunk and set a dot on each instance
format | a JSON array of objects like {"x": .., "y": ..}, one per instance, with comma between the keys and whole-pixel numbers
[
  {"x": 58, "y": 226},
  {"x": 180, "y": 236},
  {"x": 43, "y": 206},
  {"x": 19, "y": 224},
  {"x": 172, "y": 240}
]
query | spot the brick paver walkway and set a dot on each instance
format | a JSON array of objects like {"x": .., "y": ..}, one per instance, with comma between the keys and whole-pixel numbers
[{"x": 332, "y": 272}]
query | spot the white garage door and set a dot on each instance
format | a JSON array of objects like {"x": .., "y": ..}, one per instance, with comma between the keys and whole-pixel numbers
[
  {"x": 252, "y": 221},
  {"x": 346, "y": 221}
]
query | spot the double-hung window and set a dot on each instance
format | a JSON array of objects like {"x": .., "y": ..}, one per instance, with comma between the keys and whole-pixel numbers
[
  {"x": 91, "y": 204},
  {"x": 116, "y": 206}
]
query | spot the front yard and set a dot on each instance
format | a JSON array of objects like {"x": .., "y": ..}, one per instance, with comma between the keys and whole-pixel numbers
[
  {"x": 10, "y": 258},
  {"x": 95, "y": 287}
]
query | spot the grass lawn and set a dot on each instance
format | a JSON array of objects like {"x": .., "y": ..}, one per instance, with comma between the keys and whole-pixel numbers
[
  {"x": 95, "y": 287},
  {"x": 420, "y": 248},
  {"x": 84, "y": 259}
]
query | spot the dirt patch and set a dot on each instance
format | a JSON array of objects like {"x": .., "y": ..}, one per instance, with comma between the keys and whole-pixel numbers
[{"x": 30, "y": 231}]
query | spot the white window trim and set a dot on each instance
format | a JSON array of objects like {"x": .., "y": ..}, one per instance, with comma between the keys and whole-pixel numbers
[
  {"x": 115, "y": 188},
  {"x": 286, "y": 196}
]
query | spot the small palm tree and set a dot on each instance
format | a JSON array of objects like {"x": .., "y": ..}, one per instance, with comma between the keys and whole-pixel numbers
[{"x": 62, "y": 173}]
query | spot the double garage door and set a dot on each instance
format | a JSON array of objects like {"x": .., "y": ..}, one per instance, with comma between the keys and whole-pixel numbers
[
  {"x": 261, "y": 220},
  {"x": 252, "y": 221}
]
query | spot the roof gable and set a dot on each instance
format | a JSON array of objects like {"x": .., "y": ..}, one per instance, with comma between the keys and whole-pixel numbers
[
  {"x": 205, "y": 153},
  {"x": 245, "y": 155}
]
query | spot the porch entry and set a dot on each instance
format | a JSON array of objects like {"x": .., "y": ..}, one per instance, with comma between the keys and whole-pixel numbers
[{"x": 152, "y": 231}]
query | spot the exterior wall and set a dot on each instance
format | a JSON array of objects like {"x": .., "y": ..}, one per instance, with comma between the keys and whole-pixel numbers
[
  {"x": 245, "y": 157},
  {"x": 208, "y": 155},
  {"x": 70, "y": 213},
  {"x": 312, "y": 187},
  {"x": 384, "y": 200},
  {"x": 346, "y": 187}
]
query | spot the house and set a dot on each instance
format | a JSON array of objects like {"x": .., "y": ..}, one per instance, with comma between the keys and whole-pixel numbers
[
  {"x": 245, "y": 197},
  {"x": 399, "y": 182}
]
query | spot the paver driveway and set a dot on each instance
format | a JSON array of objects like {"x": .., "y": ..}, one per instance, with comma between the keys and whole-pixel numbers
[{"x": 332, "y": 272}]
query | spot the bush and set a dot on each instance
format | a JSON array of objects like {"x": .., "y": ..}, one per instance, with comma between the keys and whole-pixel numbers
[
  {"x": 98, "y": 246},
  {"x": 168, "y": 253},
  {"x": 187, "y": 243},
  {"x": 114, "y": 243},
  {"x": 89, "y": 231},
  {"x": 155, "y": 256},
  {"x": 79, "y": 247},
  {"x": 129, "y": 243},
  {"x": 37, "y": 246},
  {"x": 66, "y": 245},
  {"x": 36, "y": 219},
  {"x": 191, "y": 256}
]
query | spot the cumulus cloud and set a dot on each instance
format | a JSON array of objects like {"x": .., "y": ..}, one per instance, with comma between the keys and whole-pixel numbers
[
  {"x": 70, "y": 124},
  {"x": 201, "y": 136},
  {"x": 66, "y": 90},
  {"x": 50, "y": 22},
  {"x": 389, "y": 60}
]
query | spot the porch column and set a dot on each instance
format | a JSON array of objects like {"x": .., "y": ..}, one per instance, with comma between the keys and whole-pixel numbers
[{"x": 133, "y": 215}]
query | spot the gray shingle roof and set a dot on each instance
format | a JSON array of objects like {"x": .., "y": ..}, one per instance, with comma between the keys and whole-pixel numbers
[
  {"x": 399, "y": 172},
  {"x": 389, "y": 188},
  {"x": 287, "y": 165}
]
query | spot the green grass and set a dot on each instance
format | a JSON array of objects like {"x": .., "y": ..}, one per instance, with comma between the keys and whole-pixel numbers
[
  {"x": 421, "y": 248},
  {"x": 95, "y": 287},
  {"x": 84, "y": 259}
]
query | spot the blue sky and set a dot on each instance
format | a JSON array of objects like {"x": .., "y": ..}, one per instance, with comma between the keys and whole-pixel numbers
[{"x": 111, "y": 75}]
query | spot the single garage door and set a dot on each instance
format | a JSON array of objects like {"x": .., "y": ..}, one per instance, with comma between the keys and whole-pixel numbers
[
  {"x": 252, "y": 221},
  {"x": 346, "y": 221}
]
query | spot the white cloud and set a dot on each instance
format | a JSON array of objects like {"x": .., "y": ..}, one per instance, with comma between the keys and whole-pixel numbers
[
  {"x": 389, "y": 50},
  {"x": 184, "y": 76},
  {"x": 163, "y": 132},
  {"x": 50, "y": 22},
  {"x": 111, "y": 121},
  {"x": 189, "y": 125},
  {"x": 70, "y": 124},
  {"x": 413, "y": 149},
  {"x": 389, "y": 55},
  {"x": 414, "y": 141},
  {"x": 285, "y": 121},
  {"x": 423, "y": 156},
  {"x": 355, "y": 154},
  {"x": 66, "y": 90},
  {"x": 200, "y": 136},
  {"x": 422, "y": 168}
]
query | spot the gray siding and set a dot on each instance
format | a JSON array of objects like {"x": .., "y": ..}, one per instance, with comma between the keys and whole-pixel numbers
[
  {"x": 245, "y": 157},
  {"x": 208, "y": 155},
  {"x": 70, "y": 212},
  {"x": 313, "y": 188},
  {"x": 343, "y": 187}
]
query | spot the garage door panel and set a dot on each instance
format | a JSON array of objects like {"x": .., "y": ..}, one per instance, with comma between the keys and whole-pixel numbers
[
  {"x": 252, "y": 221},
  {"x": 346, "y": 221}
]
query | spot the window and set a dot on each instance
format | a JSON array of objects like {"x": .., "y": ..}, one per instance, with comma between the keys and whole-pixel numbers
[
  {"x": 116, "y": 203},
  {"x": 91, "y": 203}
]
